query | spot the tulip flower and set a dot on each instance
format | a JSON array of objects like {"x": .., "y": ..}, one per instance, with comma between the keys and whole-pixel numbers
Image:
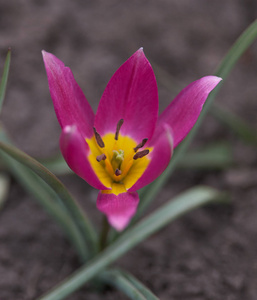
[{"x": 125, "y": 145}]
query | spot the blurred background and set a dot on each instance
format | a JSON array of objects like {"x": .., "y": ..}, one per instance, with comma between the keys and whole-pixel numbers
[{"x": 209, "y": 254}]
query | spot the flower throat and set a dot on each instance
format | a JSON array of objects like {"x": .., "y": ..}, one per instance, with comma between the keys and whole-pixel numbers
[{"x": 116, "y": 158}]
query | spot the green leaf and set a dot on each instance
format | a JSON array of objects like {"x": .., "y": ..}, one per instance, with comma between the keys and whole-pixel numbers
[
  {"x": 4, "y": 79},
  {"x": 56, "y": 165},
  {"x": 148, "y": 193},
  {"x": 47, "y": 199},
  {"x": 236, "y": 51},
  {"x": 232, "y": 121},
  {"x": 77, "y": 214},
  {"x": 36, "y": 186},
  {"x": 127, "y": 277},
  {"x": 172, "y": 210},
  {"x": 117, "y": 279},
  {"x": 4, "y": 188}
]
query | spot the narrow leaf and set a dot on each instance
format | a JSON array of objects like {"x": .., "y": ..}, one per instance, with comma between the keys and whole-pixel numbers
[
  {"x": 179, "y": 206},
  {"x": 56, "y": 165},
  {"x": 116, "y": 279},
  {"x": 48, "y": 199},
  {"x": 4, "y": 188},
  {"x": 135, "y": 282},
  {"x": 4, "y": 79},
  {"x": 148, "y": 193},
  {"x": 232, "y": 121},
  {"x": 78, "y": 216}
]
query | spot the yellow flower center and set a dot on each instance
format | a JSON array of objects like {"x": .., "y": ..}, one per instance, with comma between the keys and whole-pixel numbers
[{"x": 116, "y": 160}]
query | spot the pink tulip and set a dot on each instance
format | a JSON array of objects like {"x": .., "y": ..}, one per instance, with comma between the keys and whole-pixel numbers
[{"x": 125, "y": 145}]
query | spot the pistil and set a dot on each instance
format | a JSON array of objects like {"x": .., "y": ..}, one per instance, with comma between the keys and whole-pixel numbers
[
  {"x": 117, "y": 159},
  {"x": 113, "y": 161}
]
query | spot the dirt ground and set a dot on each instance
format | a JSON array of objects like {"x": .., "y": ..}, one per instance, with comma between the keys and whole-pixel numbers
[{"x": 210, "y": 254}]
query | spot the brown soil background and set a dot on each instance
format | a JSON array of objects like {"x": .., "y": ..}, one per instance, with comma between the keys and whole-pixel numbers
[{"x": 210, "y": 254}]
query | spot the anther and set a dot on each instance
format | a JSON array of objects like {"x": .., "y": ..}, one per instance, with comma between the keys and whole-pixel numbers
[
  {"x": 98, "y": 139},
  {"x": 140, "y": 145},
  {"x": 118, "y": 129},
  {"x": 101, "y": 157},
  {"x": 118, "y": 172},
  {"x": 141, "y": 154}
]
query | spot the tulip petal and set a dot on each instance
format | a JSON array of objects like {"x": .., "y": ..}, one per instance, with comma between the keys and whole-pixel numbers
[
  {"x": 185, "y": 109},
  {"x": 119, "y": 209},
  {"x": 160, "y": 157},
  {"x": 75, "y": 151},
  {"x": 70, "y": 104},
  {"x": 131, "y": 95}
]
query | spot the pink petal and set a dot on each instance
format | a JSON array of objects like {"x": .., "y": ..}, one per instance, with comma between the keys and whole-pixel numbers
[
  {"x": 185, "y": 109},
  {"x": 70, "y": 104},
  {"x": 160, "y": 157},
  {"x": 119, "y": 209},
  {"x": 75, "y": 151},
  {"x": 131, "y": 95}
]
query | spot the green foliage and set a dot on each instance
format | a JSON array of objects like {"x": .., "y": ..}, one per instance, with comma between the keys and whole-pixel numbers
[
  {"x": 55, "y": 198},
  {"x": 148, "y": 193},
  {"x": 4, "y": 79}
]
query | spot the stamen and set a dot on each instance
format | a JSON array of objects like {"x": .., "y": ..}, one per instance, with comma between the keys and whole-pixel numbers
[
  {"x": 101, "y": 157},
  {"x": 118, "y": 172},
  {"x": 140, "y": 145},
  {"x": 141, "y": 154},
  {"x": 98, "y": 138},
  {"x": 118, "y": 129}
]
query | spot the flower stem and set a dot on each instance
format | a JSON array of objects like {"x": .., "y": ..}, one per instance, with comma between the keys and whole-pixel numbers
[
  {"x": 169, "y": 212},
  {"x": 104, "y": 233}
]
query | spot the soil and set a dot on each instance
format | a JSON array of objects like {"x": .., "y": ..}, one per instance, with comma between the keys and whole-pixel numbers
[{"x": 209, "y": 254}]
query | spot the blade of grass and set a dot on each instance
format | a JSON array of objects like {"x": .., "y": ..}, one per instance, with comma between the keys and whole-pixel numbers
[
  {"x": 231, "y": 120},
  {"x": 172, "y": 210},
  {"x": 56, "y": 165},
  {"x": 142, "y": 288},
  {"x": 37, "y": 187},
  {"x": 48, "y": 199},
  {"x": 78, "y": 216},
  {"x": 116, "y": 279},
  {"x": 4, "y": 79},
  {"x": 148, "y": 193},
  {"x": 128, "y": 278},
  {"x": 4, "y": 188},
  {"x": 45, "y": 197}
]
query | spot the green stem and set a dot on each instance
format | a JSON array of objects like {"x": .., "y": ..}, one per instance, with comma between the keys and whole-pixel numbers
[
  {"x": 172, "y": 210},
  {"x": 127, "y": 284},
  {"x": 116, "y": 279},
  {"x": 104, "y": 233},
  {"x": 4, "y": 79}
]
